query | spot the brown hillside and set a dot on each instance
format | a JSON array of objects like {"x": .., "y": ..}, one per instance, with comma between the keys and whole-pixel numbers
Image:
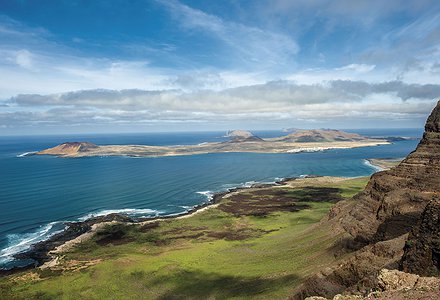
[
  {"x": 69, "y": 148},
  {"x": 375, "y": 224}
]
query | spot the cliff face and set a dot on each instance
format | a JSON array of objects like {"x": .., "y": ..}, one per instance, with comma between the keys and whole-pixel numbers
[
  {"x": 393, "y": 200},
  {"x": 422, "y": 249},
  {"x": 394, "y": 223}
]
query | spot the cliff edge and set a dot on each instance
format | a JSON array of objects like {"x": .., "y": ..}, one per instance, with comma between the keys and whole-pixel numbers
[
  {"x": 393, "y": 224},
  {"x": 394, "y": 200}
]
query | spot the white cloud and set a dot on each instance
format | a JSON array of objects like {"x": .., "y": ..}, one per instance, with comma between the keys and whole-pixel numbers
[
  {"x": 397, "y": 77},
  {"x": 272, "y": 102},
  {"x": 360, "y": 68}
]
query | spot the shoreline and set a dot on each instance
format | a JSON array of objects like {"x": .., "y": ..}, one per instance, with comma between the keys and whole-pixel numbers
[
  {"x": 382, "y": 164},
  {"x": 290, "y": 150},
  {"x": 371, "y": 164},
  {"x": 45, "y": 253},
  {"x": 251, "y": 144},
  {"x": 296, "y": 150}
]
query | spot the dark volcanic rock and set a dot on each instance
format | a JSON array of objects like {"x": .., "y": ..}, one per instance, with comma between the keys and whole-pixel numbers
[
  {"x": 39, "y": 252},
  {"x": 374, "y": 228},
  {"x": 358, "y": 273},
  {"x": 393, "y": 200},
  {"x": 422, "y": 250},
  {"x": 433, "y": 122}
]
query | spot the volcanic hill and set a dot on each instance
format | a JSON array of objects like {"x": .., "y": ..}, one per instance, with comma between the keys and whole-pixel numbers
[{"x": 239, "y": 141}]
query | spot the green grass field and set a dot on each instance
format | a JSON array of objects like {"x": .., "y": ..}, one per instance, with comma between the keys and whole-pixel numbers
[{"x": 211, "y": 255}]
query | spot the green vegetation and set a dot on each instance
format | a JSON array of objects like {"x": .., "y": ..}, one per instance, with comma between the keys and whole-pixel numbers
[{"x": 214, "y": 254}]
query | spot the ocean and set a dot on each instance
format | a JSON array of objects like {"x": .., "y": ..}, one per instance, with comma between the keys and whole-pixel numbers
[{"x": 40, "y": 193}]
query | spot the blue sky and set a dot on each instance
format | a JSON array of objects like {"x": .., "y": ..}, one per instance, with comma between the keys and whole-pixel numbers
[{"x": 119, "y": 66}]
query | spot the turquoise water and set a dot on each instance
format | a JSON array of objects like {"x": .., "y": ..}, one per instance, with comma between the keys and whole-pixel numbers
[{"x": 39, "y": 193}]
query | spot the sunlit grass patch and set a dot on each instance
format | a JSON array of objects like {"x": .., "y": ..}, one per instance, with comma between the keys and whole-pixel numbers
[{"x": 211, "y": 254}]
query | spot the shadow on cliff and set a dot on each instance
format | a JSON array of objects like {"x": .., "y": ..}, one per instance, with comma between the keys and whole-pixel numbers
[
  {"x": 395, "y": 226},
  {"x": 391, "y": 228}
]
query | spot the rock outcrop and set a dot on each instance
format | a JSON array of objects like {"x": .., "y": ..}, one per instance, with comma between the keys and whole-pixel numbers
[
  {"x": 394, "y": 222},
  {"x": 422, "y": 250},
  {"x": 393, "y": 200},
  {"x": 357, "y": 273},
  {"x": 396, "y": 285}
]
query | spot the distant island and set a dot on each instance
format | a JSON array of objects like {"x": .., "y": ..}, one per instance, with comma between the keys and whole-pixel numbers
[
  {"x": 299, "y": 238},
  {"x": 239, "y": 141}
]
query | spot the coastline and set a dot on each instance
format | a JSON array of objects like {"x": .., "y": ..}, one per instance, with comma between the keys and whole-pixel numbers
[
  {"x": 382, "y": 164},
  {"x": 45, "y": 253},
  {"x": 275, "y": 221},
  {"x": 85, "y": 149},
  {"x": 377, "y": 167}
]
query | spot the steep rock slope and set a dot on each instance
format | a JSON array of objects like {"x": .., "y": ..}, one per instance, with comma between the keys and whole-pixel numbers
[
  {"x": 393, "y": 200},
  {"x": 422, "y": 250},
  {"x": 374, "y": 226}
]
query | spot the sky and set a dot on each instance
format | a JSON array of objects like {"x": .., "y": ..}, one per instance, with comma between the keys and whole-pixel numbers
[{"x": 180, "y": 65}]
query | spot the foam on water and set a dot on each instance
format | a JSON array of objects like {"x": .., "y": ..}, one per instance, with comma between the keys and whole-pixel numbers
[
  {"x": 375, "y": 168},
  {"x": 26, "y": 154},
  {"x": 186, "y": 207},
  {"x": 207, "y": 194},
  {"x": 132, "y": 212},
  {"x": 229, "y": 186},
  {"x": 18, "y": 243}
]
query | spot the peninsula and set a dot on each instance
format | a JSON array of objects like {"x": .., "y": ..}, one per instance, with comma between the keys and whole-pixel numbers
[{"x": 239, "y": 141}]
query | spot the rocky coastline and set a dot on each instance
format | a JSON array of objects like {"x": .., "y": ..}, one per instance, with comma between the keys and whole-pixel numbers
[{"x": 40, "y": 253}]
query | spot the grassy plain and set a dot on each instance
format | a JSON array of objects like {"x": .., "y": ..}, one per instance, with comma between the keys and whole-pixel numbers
[{"x": 260, "y": 253}]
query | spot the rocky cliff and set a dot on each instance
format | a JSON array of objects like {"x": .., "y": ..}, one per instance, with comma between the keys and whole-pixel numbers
[
  {"x": 394, "y": 223},
  {"x": 396, "y": 285},
  {"x": 394, "y": 200},
  {"x": 422, "y": 249}
]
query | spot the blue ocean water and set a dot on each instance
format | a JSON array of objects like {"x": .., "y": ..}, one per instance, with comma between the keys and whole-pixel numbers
[{"x": 39, "y": 193}]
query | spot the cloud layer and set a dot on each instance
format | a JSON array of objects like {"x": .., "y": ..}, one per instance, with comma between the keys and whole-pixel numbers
[
  {"x": 264, "y": 64},
  {"x": 272, "y": 102}
]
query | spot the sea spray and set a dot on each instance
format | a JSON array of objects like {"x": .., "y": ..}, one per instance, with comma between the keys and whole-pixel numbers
[
  {"x": 131, "y": 212},
  {"x": 374, "y": 167},
  {"x": 18, "y": 243}
]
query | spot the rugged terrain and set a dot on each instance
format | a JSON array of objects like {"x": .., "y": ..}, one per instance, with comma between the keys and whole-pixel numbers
[
  {"x": 306, "y": 238},
  {"x": 257, "y": 243},
  {"x": 400, "y": 202},
  {"x": 239, "y": 141}
]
